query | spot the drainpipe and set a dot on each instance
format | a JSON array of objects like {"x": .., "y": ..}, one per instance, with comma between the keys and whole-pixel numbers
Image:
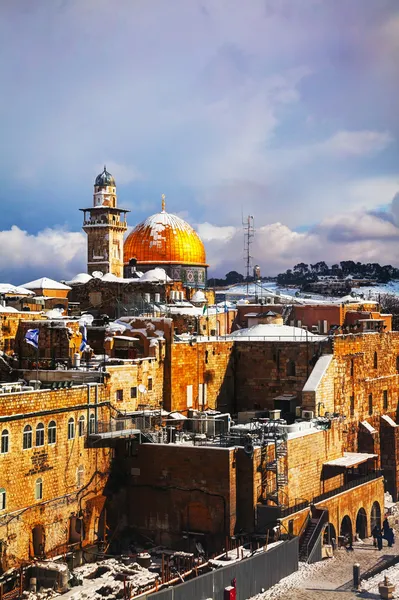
[
  {"x": 96, "y": 407},
  {"x": 88, "y": 409}
]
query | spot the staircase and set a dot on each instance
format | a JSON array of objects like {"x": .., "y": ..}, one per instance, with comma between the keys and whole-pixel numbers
[{"x": 312, "y": 533}]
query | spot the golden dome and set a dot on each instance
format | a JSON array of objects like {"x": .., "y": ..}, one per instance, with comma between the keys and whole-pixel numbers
[{"x": 164, "y": 238}]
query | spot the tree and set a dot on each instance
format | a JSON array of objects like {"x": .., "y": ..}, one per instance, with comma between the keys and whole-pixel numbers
[
  {"x": 320, "y": 268},
  {"x": 301, "y": 268},
  {"x": 233, "y": 277},
  {"x": 389, "y": 304}
]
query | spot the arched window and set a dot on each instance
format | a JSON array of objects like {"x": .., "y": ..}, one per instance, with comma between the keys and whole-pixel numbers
[
  {"x": 92, "y": 424},
  {"x": 40, "y": 434},
  {"x": 291, "y": 368},
  {"x": 3, "y": 499},
  {"x": 80, "y": 476},
  {"x": 39, "y": 489},
  {"x": 81, "y": 426},
  {"x": 4, "y": 441},
  {"x": 71, "y": 428},
  {"x": 27, "y": 438},
  {"x": 52, "y": 432},
  {"x": 375, "y": 360}
]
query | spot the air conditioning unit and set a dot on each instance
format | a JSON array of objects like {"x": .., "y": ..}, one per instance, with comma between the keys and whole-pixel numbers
[
  {"x": 274, "y": 414},
  {"x": 307, "y": 414}
]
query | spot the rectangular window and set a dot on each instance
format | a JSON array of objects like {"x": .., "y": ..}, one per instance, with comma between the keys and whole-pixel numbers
[
  {"x": 189, "y": 396},
  {"x": 119, "y": 395},
  {"x": 149, "y": 384},
  {"x": 200, "y": 395},
  {"x": 2, "y": 499},
  {"x": 133, "y": 392},
  {"x": 370, "y": 404},
  {"x": 385, "y": 399},
  {"x": 352, "y": 403}
]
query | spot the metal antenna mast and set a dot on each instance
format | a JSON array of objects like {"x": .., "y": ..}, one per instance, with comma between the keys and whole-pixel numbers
[{"x": 249, "y": 234}]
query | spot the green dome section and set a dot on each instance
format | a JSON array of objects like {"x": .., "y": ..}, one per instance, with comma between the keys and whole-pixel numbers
[{"x": 104, "y": 179}]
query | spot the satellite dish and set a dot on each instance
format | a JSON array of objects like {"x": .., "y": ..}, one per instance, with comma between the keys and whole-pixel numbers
[
  {"x": 97, "y": 274},
  {"x": 142, "y": 389}
]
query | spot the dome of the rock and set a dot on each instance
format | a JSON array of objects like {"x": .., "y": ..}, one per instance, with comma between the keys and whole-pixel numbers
[{"x": 167, "y": 241}]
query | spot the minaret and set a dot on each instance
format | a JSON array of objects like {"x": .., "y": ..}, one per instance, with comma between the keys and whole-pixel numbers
[{"x": 105, "y": 225}]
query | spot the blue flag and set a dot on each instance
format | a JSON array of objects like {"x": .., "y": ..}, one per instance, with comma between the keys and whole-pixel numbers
[
  {"x": 32, "y": 337},
  {"x": 84, "y": 339}
]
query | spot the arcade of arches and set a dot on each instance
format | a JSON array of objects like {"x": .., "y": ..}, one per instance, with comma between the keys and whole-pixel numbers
[{"x": 355, "y": 511}]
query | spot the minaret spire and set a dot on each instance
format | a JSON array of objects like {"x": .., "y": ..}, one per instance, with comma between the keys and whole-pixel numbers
[{"x": 163, "y": 202}]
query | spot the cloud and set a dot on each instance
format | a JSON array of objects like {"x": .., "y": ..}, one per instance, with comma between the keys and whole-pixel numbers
[
  {"x": 353, "y": 235},
  {"x": 356, "y": 143},
  {"x": 364, "y": 235},
  {"x": 275, "y": 106},
  {"x": 51, "y": 253}
]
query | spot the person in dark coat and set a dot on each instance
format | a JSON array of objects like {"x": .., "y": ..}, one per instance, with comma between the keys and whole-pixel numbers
[
  {"x": 374, "y": 533},
  {"x": 379, "y": 539}
]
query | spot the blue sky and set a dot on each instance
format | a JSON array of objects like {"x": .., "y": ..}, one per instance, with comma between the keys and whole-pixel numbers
[{"x": 283, "y": 110}]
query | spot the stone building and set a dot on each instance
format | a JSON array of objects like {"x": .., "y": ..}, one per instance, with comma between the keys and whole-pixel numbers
[
  {"x": 52, "y": 478},
  {"x": 181, "y": 494}
]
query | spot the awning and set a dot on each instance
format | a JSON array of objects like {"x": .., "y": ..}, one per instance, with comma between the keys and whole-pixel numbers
[
  {"x": 350, "y": 459},
  {"x": 177, "y": 416}
]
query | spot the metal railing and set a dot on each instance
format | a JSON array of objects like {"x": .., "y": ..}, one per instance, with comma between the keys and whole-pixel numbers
[
  {"x": 348, "y": 486},
  {"x": 326, "y": 495}
]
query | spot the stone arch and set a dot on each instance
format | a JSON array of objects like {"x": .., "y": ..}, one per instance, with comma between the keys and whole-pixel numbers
[
  {"x": 361, "y": 524},
  {"x": 346, "y": 528},
  {"x": 375, "y": 515},
  {"x": 329, "y": 533}
]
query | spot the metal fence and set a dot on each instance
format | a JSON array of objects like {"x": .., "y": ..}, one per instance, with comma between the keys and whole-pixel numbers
[{"x": 253, "y": 574}]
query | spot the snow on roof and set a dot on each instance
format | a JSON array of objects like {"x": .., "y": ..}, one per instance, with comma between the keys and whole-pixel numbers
[
  {"x": 8, "y": 309},
  {"x": 156, "y": 275},
  {"x": 9, "y": 288},
  {"x": 79, "y": 278},
  {"x": 44, "y": 283},
  {"x": 350, "y": 459},
  {"x": 272, "y": 332},
  {"x": 317, "y": 374},
  {"x": 367, "y": 426}
]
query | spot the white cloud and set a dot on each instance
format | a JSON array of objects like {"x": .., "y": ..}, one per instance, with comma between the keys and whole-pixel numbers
[
  {"x": 52, "y": 252},
  {"x": 356, "y": 143},
  {"x": 209, "y": 232}
]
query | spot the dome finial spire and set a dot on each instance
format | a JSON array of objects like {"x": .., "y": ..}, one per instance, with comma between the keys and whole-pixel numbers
[
  {"x": 105, "y": 168},
  {"x": 163, "y": 202}
]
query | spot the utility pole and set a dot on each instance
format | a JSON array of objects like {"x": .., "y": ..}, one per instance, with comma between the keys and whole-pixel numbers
[{"x": 249, "y": 234}]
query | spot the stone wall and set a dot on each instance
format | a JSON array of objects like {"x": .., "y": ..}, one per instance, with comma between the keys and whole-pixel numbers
[
  {"x": 173, "y": 489},
  {"x": 9, "y": 323},
  {"x": 262, "y": 370},
  {"x": 58, "y": 340},
  {"x": 200, "y": 376},
  {"x": 307, "y": 478}
]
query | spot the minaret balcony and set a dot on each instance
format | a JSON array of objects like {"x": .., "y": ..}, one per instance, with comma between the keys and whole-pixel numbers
[{"x": 103, "y": 221}]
